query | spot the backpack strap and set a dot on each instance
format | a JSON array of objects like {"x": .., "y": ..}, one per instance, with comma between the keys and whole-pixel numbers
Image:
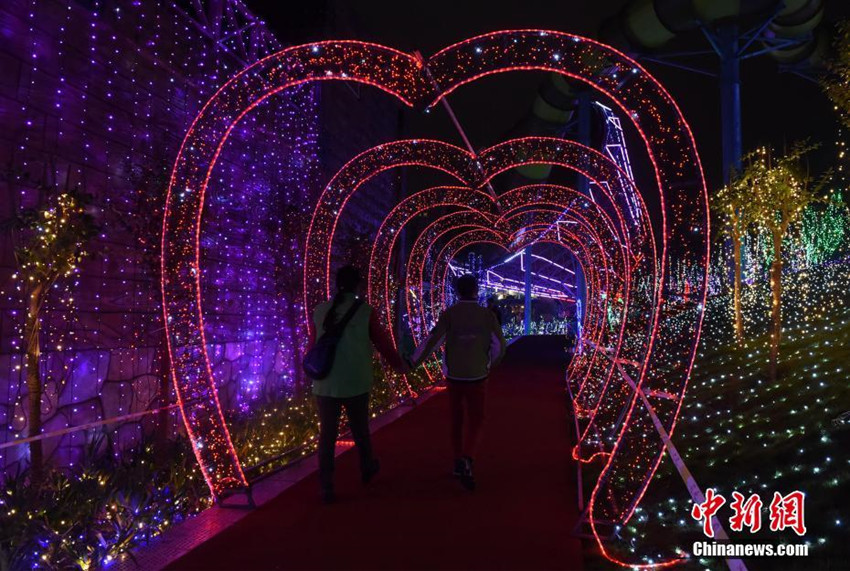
[{"x": 340, "y": 327}]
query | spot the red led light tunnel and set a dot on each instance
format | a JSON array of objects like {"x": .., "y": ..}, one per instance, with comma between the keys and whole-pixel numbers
[{"x": 669, "y": 334}]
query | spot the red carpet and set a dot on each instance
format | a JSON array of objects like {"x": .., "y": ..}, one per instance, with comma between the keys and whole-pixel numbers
[{"x": 415, "y": 515}]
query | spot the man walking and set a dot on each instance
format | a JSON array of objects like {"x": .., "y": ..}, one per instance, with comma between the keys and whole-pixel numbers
[{"x": 473, "y": 345}]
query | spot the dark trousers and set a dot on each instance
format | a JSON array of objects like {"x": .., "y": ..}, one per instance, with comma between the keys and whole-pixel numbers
[
  {"x": 357, "y": 411},
  {"x": 466, "y": 400}
]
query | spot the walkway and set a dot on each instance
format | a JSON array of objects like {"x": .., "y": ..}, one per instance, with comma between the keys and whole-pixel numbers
[{"x": 415, "y": 515}]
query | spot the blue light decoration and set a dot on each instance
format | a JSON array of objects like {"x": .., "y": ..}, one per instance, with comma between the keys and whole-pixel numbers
[
  {"x": 614, "y": 145},
  {"x": 546, "y": 286},
  {"x": 579, "y": 327},
  {"x": 98, "y": 97}
]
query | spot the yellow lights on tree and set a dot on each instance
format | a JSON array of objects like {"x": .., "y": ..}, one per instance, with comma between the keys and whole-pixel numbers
[
  {"x": 779, "y": 189},
  {"x": 52, "y": 244},
  {"x": 733, "y": 206}
]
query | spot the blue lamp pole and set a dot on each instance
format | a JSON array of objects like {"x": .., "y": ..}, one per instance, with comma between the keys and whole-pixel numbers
[{"x": 725, "y": 42}]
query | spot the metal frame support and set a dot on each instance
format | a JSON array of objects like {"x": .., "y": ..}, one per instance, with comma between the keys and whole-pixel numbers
[
  {"x": 725, "y": 41},
  {"x": 247, "y": 491},
  {"x": 695, "y": 491},
  {"x": 731, "y": 46},
  {"x": 444, "y": 101}
]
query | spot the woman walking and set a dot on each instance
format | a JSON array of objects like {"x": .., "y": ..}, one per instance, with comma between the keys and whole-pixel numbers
[{"x": 349, "y": 381}]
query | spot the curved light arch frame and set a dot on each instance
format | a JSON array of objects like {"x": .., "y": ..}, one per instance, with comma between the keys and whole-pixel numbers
[
  {"x": 434, "y": 197},
  {"x": 452, "y": 222},
  {"x": 422, "y": 251},
  {"x": 555, "y": 194},
  {"x": 469, "y": 170},
  {"x": 414, "y": 265},
  {"x": 620, "y": 269},
  {"x": 472, "y": 237},
  {"x": 670, "y": 147},
  {"x": 458, "y": 163},
  {"x": 461, "y": 165},
  {"x": 378, "y": 275},
  {"x": 409, "y": 208},
  {"x": 450, "y": 250},
  {"x": 505, "y": 197}
]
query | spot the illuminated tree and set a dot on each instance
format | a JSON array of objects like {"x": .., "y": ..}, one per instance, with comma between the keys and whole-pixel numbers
[
  {"x": 733, "y": 205},
  {"x": 823, "y": 234},
  {"x": 54, "y": 243},
  {"x": 823, "y": 229},
  {"x": 781, "y": 190}
]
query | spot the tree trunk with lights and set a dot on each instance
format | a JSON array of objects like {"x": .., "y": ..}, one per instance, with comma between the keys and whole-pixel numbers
[
  {"x": 774, "y": 193},
  {"x": 736, "y": 256},
  {"x": 55, "y": 236},
  {"x": 32, "y": 331},
  {"x": 776, "y": 300},
  {"x": 736, "y": 214}
]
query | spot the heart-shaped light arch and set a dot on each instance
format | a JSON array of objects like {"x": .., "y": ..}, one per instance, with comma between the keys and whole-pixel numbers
[
  {"x": 592, "y": 263},
  {"x": 587, "y": 162},
  {"x": 462, "y": 165},
  {"x": 479, "y": 231},
  {"x": 434, "y": 231},
  {"x": 670, "y": 147}
]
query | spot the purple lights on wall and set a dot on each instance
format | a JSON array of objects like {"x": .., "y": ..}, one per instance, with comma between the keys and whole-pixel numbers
[
  {"x": 98, "y": 96},
  {"x": 254, "y": 212}
]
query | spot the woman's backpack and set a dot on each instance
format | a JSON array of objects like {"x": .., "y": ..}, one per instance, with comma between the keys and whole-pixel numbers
[{"x": 319, "y": 359}]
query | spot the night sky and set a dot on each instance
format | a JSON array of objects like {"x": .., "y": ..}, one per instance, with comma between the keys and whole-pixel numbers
[{"x": 778, "y": 108}]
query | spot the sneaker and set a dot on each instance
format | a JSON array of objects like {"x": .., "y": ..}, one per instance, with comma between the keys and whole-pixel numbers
[
  {"x": 370, "y": 472},
  {"x": 467, "y": 478},
  {"x": 459, "y": 467}
]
